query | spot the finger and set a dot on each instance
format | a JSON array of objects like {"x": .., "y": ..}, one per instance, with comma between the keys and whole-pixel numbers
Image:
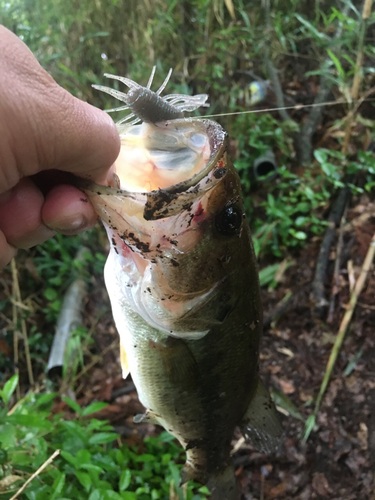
[
  {"x": 67, "y": 210},
  {"x": 7, "y": 252},
  {"x": 20, "y": 216}
]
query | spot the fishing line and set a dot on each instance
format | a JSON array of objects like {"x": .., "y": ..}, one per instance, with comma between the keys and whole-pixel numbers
[{"x": 296, "y": 107}]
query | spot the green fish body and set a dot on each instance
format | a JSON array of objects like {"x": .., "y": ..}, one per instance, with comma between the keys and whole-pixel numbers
[{"x": 183, "y": 283}]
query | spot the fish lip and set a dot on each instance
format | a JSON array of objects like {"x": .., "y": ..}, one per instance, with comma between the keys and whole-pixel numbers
[{"x": 164, "y": 202}]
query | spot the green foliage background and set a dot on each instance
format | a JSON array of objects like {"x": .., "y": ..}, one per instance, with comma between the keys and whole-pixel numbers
[{"x": 213, "y": 52}]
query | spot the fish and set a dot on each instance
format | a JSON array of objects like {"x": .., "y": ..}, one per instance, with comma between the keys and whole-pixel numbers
[{"x": 183, "y": 283}]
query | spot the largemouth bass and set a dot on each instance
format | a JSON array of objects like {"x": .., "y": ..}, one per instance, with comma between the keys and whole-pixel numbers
[{"x": 183, "y": 284}]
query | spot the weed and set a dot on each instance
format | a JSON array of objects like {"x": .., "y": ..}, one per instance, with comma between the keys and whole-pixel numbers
[{"x": 91, "y": 465}]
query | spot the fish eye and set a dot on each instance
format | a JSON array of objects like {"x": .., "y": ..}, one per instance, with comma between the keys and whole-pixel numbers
[{"x": 229, "y": 220}]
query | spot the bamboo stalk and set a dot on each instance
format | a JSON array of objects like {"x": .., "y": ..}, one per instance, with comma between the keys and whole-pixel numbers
[
  {"x": 18, "y": 299},
  {"x": 357, "y": 72},
  {"x": 343, "y": 328}
]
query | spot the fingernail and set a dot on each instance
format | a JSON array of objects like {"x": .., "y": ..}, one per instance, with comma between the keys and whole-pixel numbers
[{"x": 69, "y": 225}]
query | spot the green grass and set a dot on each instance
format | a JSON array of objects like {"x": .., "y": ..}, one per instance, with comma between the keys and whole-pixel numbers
[{"x": 93, "y": 464}]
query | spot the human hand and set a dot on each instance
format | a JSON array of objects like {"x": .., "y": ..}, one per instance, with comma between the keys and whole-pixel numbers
[{"x": 46, "y": 135}]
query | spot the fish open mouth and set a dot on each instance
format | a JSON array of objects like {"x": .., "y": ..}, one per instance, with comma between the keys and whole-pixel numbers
[
  {"x": 161, "y": 171},
  {"x": 160, "y": 215}
]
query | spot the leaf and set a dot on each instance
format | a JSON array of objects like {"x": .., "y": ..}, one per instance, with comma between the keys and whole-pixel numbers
[
  {"x": 176, "y": 479},
  {"x": 69, "y": 458},
  {"x": 321, "y": 155},
  {"x": 128, "y": 495},
  {"x": 95, "y": 495},
  {"x": 7, "y": 481},
  {"x": 286, "y": 404},
  {"x": 84, "y": 479},
  {"x": 8, "y": 435},
  {"x": 300, "y": 235},
  {"x": 125, "y": 479},
  {"x": 103, "y": 437},
  {"x": 112, "y": 495},
  {"x": 309, "y": 426},
  {"x": 83, "y": 456},
  {"x": 229, "y": 5},
  {"x": 9, "y": 388},
  {"x": 30, "y": 421},
  {"x": 58, "y": 485},
  {"x": 336, "y": 62},
  {"x": 317, "y": 34},
  {"x": 91, "y": 467},
  {"x": 267, "y": 274},
  {"x": 93, "y": 408},
  {"x": 50, "y": 294},
  {"x": 44, "y": 399},
  {"x": 204, "y": 490},
  {"x": 73, "y": 405},
  {"x": 353, "y": 363}
]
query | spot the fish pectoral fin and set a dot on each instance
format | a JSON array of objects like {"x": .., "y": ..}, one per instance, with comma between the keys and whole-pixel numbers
[
  {"x": 146, "y": 418},
  {"x": 179, "y": 364},
  {"x": 261, "y": 423},
  {"x": 124, "y": 361}
]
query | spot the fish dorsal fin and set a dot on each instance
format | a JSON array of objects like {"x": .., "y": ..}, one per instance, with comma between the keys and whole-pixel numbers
[
  {"x": 261, "y": 423},
  {"x": 124, "y": 361}
]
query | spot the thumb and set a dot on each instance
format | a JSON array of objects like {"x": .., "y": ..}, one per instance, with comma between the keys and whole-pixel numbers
[{"x": 44, "y": 127}]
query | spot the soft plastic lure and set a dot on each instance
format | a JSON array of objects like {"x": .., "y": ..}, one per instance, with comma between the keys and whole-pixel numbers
[{"x": 148, "y": 106}]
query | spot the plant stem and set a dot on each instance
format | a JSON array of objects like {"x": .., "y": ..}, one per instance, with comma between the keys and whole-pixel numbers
[
  {"x": 36, "y": 473},
  {"x": 17, "y": 302},
  {"x": 357, "y": 72},
  {"x": 344, "y": 324}
]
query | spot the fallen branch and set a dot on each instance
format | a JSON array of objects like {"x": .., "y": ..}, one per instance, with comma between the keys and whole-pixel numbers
[
  {"x": 318, "y": 292},
  {"x": 341, "y": 334},
  {"x": 33, "y": 476},
  {"x": 279, "y": 310},
  {"x": 304, "y": 145},
  {"x": 336, "y": 273},
  {"x": 122, "y": 391}
]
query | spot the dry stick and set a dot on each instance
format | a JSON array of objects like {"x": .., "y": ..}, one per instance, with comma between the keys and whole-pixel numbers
[
  {"x": 33, "y": 476},
  {"x": 334, "y": 218},
  {"x": 304, "y": 141},
  {"x": 281, "y": 308},
  {"x": 345, "y": 323},
  {"x": 336, "y": 272},
  {"x": 17, "y": 296}
]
